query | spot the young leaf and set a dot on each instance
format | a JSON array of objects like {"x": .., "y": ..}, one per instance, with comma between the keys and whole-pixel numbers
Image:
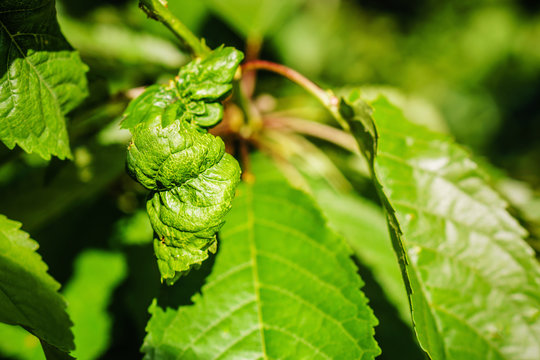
[
  {"x": 475, "y": 285},
  {"x": 193, "y": 180},
  {"x": 28, "y": 295},
  {"x": 283, "y": 286},
  {"x": 193, "y": 96},
  {"x": 41, "y": 78}
]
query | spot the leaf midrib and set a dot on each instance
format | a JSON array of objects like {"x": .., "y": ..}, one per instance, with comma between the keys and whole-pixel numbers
[
  {"x": 255, "y": 271},
  {"x": 433, "y": 307},
  {"x": 463, "y": 192}
]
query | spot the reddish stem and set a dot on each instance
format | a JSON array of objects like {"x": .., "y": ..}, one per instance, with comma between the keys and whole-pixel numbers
[
  {"x": 249, "y": 78},
  {"x": 326, "y": 98}
]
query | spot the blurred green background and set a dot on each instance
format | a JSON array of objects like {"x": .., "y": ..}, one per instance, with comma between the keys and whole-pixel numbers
[{"x": 467, "y": 67}]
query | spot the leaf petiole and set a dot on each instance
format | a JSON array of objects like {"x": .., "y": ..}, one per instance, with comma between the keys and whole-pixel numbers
[{"x": 326, "y": 97}]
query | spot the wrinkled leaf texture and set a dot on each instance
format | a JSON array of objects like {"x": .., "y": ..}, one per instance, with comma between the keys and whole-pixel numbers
[
  {"x": 41, "y": 78},
  {"x": 283, "y": 286},
  {"x": 28, "y": 295},
  {"x": 474, "y": 283},
  {"x": 193, "y": 180}
]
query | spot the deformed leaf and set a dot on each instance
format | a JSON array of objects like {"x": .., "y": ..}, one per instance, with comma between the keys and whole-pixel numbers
[
  {"x": 283, "y": 286},
  {"x": 41, "y": 78},
  {"x": 475, "y": 285},
  {"x": 162, "y": 158},
  {"x": 192, "y": 179},
  {"x": 187, "y": 218},
  {"x": 28, "y": 295},
  {"x": 193, "y": 96}
]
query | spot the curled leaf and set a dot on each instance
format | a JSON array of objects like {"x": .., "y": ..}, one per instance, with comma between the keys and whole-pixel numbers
[{"x": 193, "y": 180}]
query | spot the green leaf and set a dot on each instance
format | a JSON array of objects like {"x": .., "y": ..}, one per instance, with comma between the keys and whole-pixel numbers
[
  {"x": 162, "y": 158},
  {"x": 88, "y": 293},
  {"x": 364, "y": 227},
  {"x": 193, "y": 96},
  {"x": 28, "y": 295},
  {"x": 41, "y": 78},
  {"x": 254, "y": 18},
  {"x": 97, "y": 273},
  {"x": 192, "y": 179},
  {"x": 283, "y": 286},
  {"x": 187, "y": 218},
  {"x": 475, "y": 285}
]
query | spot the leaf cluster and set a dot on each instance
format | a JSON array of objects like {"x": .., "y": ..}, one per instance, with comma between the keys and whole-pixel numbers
[{"x": 397, "y": 220}]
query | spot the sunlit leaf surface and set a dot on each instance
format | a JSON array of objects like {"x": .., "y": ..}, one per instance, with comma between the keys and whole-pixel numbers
[{"x": 283, "y": 286}]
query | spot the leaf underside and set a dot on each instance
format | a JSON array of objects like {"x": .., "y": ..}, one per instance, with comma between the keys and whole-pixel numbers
[
  {"x": 28, "y": 295},
  {"x": 283, "y": 286},
  {"x": 475, "y": 285},
  {"x": 363, "y": 225},
  {"x": 41, "y": 78}
]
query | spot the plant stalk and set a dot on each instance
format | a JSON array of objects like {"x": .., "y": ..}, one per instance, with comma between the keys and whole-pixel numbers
[
  {"x": 327, "y": 98},
  {"x": 159, "y": 11}
]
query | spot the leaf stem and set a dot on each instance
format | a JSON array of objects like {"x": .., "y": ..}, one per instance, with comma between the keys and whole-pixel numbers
[
  {"x": 253, "y": 49},
  {"x": 315, "y": 129},
  {"x": 327, "y": 98},
  {"x": 159, "y": 11}
]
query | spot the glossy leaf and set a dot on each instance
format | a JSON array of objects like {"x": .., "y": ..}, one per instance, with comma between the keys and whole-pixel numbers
[
  {"x": 192, "y": 179},
  {"x": 41, "y": 78},
  {"x": 283, "y": 286},
  {"x": 475, "y": 285},
  {"x": 29, "y": 296},
  {"x": 193, "y": 96}
]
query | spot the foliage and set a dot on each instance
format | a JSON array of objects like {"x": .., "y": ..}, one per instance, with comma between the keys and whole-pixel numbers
[
  {"x": 261, "y": 278},
  {"x": 29, "y": 295},
  {"x": 358, "y": 229},
  {"x": 444, "y": 215},
  {"x": 192, "y": 178},
  {"x": 42, "y": 79}
]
